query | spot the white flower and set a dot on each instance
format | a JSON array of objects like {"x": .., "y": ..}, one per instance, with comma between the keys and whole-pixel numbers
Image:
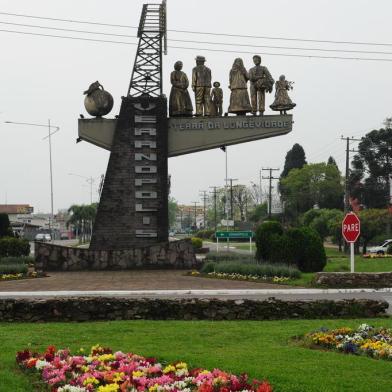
[
  {"x": 41, "y": 364},
  {"x": 71, "y": 388}
]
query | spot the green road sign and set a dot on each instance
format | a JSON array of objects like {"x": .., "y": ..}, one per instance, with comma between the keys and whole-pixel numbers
[{"x": 234, "y": 234}]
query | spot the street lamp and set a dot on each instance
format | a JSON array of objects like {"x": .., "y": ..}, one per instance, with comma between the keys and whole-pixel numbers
[
  {"x": 89, "y": 180},
  {"x": 49, "y": 137}
]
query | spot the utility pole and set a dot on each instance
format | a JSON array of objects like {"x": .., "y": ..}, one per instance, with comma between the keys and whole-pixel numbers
[
  {"x": 195, "y": 211},
  {"x": 215, "y": 196},
  {"x": 231, "y": 196},
  {"x": 204, "y": 198},
  {"x": 347, "y": 175},
  {"x": 270, "y": 178}
]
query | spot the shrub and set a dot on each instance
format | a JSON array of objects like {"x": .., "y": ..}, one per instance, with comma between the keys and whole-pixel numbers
[
  {"x": 16, "y": 260},
  {"x": 281, "y": 249},
  {"x": 197, "y": 242},
  {"x": 389, "y": 249},
  {"x": 16, "y": 268},
  {"x": 265, "y": 269},
  {"x": 228, "y": 256},
  {"x": 311, "y": 257},
  {"x": 10, "y": 246},
  {"x": 263, "y": 238},
  {"x": 5, "y": 226},
  {"x": 205, "y": 234}
]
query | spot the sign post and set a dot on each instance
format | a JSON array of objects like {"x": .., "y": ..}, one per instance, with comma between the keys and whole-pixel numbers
[
  {"x": 351, "y": 230},
  {"x": 234, "y": 234}
]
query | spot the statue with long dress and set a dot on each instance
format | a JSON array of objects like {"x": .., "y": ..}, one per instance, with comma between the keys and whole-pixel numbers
[
  {"x": 201, "y": 85},
  {"x": 261, "y": 82},
  {"x": 180, "y": 104},
  {"x": 282, "y": 101},
  {"x": 239, "y": 98}
]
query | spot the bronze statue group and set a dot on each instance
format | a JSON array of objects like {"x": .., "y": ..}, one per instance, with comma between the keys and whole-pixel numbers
[{"x": 210, "y": 102}]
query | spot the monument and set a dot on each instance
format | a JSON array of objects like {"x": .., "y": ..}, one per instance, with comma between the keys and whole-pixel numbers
[{"x": 133, "y": 210}]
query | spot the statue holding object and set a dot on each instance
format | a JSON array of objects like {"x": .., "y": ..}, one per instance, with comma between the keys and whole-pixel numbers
[
  {"x": 217, "y": 100},
  {"x": 261, "y": 82},
  {"x": 282, "y": 101},
  {"x": 201, "y": 85},
  {"x": 180, "y": 104}
]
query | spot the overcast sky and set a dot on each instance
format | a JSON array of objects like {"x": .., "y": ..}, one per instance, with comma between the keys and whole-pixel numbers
[{"x": 42, "y": 78}]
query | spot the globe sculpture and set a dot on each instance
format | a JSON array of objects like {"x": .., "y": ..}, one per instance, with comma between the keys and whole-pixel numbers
[{"x": 98, "y": 101}]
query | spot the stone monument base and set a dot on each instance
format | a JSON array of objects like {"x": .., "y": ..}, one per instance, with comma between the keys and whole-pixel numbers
[{"x": 174, "y": 255}]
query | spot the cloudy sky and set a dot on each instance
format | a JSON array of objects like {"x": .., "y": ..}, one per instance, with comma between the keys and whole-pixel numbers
[{"x": 43, "y": 78}]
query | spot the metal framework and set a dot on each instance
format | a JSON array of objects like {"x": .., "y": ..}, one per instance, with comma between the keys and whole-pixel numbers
[{"x": 147, "y": 70}]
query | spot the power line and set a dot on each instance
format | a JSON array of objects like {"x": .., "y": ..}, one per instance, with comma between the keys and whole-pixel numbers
[
  {"x": 197, "y": 41},
  {"x": 203, "y": 49},
  {"x": 202, "y": 32}
]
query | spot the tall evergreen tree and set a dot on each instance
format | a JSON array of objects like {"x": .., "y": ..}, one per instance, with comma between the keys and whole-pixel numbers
[
  {"x": 331, "y": 161},
  {"x": 372, "y": 166},
  {"x": 295, "y": 159}
]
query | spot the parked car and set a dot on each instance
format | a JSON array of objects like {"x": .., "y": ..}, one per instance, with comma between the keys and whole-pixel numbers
[
  {"x": 64, "y": 236},
  {"x": 44, "y": 237},
  {"x": 381, "y": 249}
]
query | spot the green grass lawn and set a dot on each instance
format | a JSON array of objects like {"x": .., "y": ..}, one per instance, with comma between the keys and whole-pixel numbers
[{"x": 262, "y": 349}]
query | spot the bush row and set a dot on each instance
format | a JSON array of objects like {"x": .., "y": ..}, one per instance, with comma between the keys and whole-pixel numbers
[
  {"x": 14, "y": 265},
  {"x": 302, "y": 247},
  {"x": 10, "y": 246},
  {"x": 265, "y": 269}
]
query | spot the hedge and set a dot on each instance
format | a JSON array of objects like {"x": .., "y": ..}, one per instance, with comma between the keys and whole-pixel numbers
[{"x": 10, "y": 246}]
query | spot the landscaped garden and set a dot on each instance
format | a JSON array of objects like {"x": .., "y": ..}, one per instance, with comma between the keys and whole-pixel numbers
[{"x": 263, "y": 350}]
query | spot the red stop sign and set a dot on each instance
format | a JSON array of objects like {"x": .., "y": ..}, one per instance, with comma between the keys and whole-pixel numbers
[{"x": 351, "y": 227}]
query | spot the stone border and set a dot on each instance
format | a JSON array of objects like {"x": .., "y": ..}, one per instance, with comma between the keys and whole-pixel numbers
[
  {"x": 111, "y": 308},
  {"x": 174, "y": 254},
  {"x": 356, "y": 279}
]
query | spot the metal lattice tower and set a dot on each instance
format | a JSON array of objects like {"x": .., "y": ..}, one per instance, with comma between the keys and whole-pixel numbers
[{"x": 147, "y": 69}]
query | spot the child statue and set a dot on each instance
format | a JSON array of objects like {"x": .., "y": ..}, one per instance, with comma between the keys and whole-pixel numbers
[
  {"x": 180, "y": 103},
  {"x": 282, "y": 101},
  {"x": 217, "y": 99}
]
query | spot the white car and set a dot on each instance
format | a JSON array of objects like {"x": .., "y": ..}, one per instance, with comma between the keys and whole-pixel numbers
[
  {"x": 44, "y": 237},
  {"x": 381, "y": 249}
]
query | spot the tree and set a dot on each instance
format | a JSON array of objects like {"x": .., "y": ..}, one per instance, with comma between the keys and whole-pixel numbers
[
  {"x": 331, "y": 161},
  {"x": 258, "y": 213},
  {"x": 373, "y": 222},
  {"x": 241, "y": 199},
  {"x": 82, "y": 218},
  {"x": 295, "y": 159},
  {"x": 315, "y": 184},
  {"x": 5, "y": 226},
  {"x": 372, "y": 166},
  {"x": 173, "y": 208}
]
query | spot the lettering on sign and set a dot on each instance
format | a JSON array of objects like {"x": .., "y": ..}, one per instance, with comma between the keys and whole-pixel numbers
[
  {"x": 351, "y": 227},
  {"x": 229, "y": 124},
  {"x": 146, "y": 175}
]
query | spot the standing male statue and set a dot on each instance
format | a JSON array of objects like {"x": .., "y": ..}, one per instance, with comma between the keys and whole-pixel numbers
[
  {"x": 201, "y": 85},
  {"x": 260, "y": 82}
]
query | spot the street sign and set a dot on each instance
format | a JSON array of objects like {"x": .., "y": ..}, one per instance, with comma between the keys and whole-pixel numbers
[
  {"x": 351, "y": 227},
  {"x": 234, "y": 234}
]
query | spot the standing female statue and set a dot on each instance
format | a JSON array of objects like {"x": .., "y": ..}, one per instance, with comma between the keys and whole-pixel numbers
[
  {"x": 282, "y": 101},
  {"x": 180, "y": 103},
  {"x": 239, "y": 98}
]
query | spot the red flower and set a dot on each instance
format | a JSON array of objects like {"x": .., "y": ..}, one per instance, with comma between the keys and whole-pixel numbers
[
  {"x": 264, "y": 387},
  {"x": 205, "y": 387},
  {"x": 23, "y": 355}
]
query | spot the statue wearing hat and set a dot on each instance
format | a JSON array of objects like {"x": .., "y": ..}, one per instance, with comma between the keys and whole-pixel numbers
[
  {"x": 201, "y": 85},
  {"x": 260, "y": 82}
]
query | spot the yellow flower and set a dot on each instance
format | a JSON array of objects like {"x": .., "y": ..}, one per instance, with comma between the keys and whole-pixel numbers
[
  {"x": 168, "y": 369},
  {"x": 137, "y": 373},
  {"x": 118, "y": 376},
  {"x": 153, "y": 388},
  {"x": 90, "y": 380},
  {"x": 109, "y": 388},
  {"x": 106, "y": 357},
  {"x": 181, "y": 365}
]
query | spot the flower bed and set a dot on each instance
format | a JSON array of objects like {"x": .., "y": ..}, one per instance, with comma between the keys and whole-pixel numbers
[
  {"x": 104, "y": 371},
  {"x": 19, "y": 276},
  {"x": 365, "y": 340},
  {"x": 376, "y": 256},
  {"x": 236, "y": 276}
]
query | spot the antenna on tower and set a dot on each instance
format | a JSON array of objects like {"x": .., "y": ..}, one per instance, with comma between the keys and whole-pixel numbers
[{"x": 147, "y": 70}]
